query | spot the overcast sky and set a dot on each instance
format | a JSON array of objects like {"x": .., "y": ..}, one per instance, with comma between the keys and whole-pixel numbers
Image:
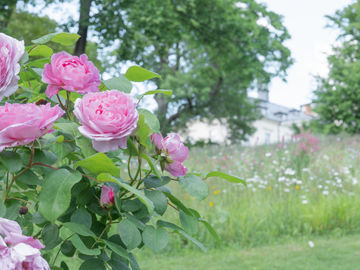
[{"x": 310, "y": 43}]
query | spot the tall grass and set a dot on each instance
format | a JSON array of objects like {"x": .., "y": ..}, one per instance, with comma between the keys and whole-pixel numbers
[{"x": 291, "y": 192}]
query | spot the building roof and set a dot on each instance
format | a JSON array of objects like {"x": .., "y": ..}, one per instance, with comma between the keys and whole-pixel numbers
[{"x": 281, "y": 113}]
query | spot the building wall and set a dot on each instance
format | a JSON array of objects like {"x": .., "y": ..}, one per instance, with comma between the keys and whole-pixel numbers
[
  {"x": 268, "y": 131},
  {"x": 200, "y": 130}
]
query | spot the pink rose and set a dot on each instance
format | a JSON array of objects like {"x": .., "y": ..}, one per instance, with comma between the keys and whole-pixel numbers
[
  {"x": 11, "y": 51},
  {"x": 107, "y": 118},
  {"x": 174, "y": 151},
  {"x": 18, "y": 251},
  {"x": 107, "y": 197},
  {"x": 72, "y": 73},
  {"x": 21, "y": 124}
]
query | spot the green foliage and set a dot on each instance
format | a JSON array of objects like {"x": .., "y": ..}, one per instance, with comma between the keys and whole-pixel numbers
[
  {"x": 338, "y": 95},
  {"x": 60, "y": 178}
]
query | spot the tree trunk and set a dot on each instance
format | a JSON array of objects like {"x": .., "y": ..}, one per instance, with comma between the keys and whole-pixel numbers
[
  {"x": 84, "y": 21},
  {"x": 161, "y": 112},
  {"x": 6, "y": 10}
]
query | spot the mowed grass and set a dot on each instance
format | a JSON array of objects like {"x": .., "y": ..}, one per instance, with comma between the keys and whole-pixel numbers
[{"x": 339, "y": 253}]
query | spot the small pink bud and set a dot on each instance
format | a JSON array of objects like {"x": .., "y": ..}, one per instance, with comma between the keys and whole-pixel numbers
[{"x": 107, "y": 197}]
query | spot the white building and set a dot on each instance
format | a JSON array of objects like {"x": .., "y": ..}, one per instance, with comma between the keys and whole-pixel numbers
[{"x": 275, "y": 126}]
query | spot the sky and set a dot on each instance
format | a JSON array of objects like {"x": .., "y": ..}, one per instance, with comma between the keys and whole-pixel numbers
[{"x": 310, "y": 43}]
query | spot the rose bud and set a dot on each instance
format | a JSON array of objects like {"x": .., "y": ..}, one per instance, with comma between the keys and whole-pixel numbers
[
  {"x": 107, "y": 197},
  {"x": 173, "y": 151}
]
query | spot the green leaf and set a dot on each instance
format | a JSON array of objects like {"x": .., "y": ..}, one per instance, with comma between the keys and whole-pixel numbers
[
  {"x": 66, "y": 39},
  {"x": 80, "y": 229},
  {"x": 117, "y": 249},
  {"x": 151, "y": 164},
  {"x": 41, "y": 50},
  {"x": 55, "y": 194},
  {"x": 99, "y": 163},
  {"x": 81, "y": 216},
  {"x": 85, "y": 145},
  {"x": 227, "y": 177},
  {"x": 177, "y": 202},
  {"x": 28, "y": 178},
  {"x": 189, "y": 223},
  {"x": 133, "y": 263},
  {"x": 38, "y": 62},
  {"x": 139, "y": 74},
  {"x": 93, "y": 264},
  {"x": 11, "y": 161},
  {"x": 150, "y": 119},
  {"x": 119, "y": 83},
  {"x": 159, "y": 200},
  {"x": 50, "y": 236},
  {"x": 67, "y": 248},
  {"x": 177, "y": 229},
  {"x": 159, "y": 91},
  {"x": 62, "y": 38},
  {"x": 195, "y": 186},
  {"x": 144, "y": 131},
  {"x": 155, "y": 239},
  {"x": 80, "y": 246},
  {"x": 129, "y": 234},
  {"x": 155, "y": 182},
  {"x": 44, "y": 39},
  {"x": 134, "y": 220},
  {"x": 210, "y": 229},
  {"x": 105, "y": 177}
]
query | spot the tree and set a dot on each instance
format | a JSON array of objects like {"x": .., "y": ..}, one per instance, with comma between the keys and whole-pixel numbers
[
  {"x": 209, "y": 52},
  {"x": 337, "y": 97}
]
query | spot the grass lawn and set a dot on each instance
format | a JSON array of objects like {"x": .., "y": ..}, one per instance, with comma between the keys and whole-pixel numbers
[{"x": 328, "y": 254}]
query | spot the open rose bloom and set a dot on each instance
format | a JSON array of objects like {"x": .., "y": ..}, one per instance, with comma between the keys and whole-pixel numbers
[
  {"x": 107, "y": 118},
  {"x": 18, "y": 251},
  {"x": 11, "y": 51},
  {"x": 71, "y": 73},
  {"x": 21, "y": 124},
  {"x": 174, "y": 150}
]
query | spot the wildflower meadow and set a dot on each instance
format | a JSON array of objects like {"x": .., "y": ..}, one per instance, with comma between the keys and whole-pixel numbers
[{"x": 302, "y": 191}]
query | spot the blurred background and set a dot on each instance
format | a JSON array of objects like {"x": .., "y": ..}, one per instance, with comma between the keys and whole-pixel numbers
[{"x": 266, "y": 90}]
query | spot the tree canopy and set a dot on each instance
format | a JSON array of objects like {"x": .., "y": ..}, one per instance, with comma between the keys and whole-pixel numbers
[{"x": 338, "y": 95}]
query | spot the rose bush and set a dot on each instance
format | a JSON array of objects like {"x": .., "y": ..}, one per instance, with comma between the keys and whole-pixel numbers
[{"x": 93, "y": 183}]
